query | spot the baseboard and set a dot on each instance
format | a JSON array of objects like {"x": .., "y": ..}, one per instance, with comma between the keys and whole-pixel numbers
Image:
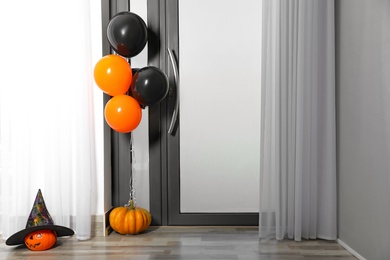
[
  {"x": 97, "y": 226},
  {"x": 107, "y": 227},
  {"x": 100, "y": 225},
  {"x": 349, "y": 249}
]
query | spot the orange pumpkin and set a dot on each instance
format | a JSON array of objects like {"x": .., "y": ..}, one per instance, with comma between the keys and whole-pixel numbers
[
  {"x": 40, "y": 240},
  {"x": 130, "y": 219}
]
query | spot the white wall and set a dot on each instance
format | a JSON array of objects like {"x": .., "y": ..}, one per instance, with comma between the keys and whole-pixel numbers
[{"x": 363, "y": 89}]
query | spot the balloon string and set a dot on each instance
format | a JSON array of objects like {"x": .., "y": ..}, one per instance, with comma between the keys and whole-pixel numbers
[{"x": 132, "y": 180}]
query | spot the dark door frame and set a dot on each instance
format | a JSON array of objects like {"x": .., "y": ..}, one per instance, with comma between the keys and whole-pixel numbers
[
  {"x": 158, "y": 143},
  {"x": 164, "y": 150}
]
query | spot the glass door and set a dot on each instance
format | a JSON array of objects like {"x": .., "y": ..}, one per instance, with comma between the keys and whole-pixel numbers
[{"x": 210, "y": 161}]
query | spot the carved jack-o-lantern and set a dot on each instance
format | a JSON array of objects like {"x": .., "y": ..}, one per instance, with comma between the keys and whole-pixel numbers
[{"x": 41, "y": 240}]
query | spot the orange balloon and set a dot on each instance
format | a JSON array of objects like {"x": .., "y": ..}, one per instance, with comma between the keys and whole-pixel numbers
[
  {"x": 123, "y": 113},
  {"x": 113, "y": 75}
]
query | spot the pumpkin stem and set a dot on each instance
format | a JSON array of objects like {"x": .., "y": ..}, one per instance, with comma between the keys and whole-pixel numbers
[{"x": 130, "y": 204}]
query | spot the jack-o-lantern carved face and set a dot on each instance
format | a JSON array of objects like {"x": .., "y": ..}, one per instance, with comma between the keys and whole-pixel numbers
[{"x": 41, "y": 240}]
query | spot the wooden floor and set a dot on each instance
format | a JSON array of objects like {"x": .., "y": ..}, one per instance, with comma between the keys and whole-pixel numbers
[{"x": 183, "y": 243}]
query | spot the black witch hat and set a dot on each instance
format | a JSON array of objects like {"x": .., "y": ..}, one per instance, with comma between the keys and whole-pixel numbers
[{"x": 39, "y": 219}]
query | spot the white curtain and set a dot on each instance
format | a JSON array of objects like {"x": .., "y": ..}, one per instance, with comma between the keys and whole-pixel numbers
[
  {"x": 46, "y": 113},
  {"x": 298, "y": 151}
]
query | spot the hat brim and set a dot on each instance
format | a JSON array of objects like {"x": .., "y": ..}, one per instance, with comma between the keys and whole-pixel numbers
[{"x": 18, "y": 238}]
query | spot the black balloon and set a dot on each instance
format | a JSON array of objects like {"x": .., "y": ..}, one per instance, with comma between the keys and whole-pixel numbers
[
  {"x": 127, "y": 34},
  {"x": 149, "y": 86}
]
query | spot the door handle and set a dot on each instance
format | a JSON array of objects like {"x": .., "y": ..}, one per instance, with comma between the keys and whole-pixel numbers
[{"x": 177, "y": 84}]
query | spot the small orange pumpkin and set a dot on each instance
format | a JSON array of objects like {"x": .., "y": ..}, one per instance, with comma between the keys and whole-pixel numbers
[
  {"x": 41, "y": 240},
  {"x": 130, "y": 219}
]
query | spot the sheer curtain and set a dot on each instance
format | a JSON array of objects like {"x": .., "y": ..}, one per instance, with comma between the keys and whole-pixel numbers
[
  {"x": 298, "y": 155},
  {"x": 46, "y": 113}
]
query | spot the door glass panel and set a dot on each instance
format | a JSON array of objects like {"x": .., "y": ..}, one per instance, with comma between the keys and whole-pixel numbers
[{"x": 220, "y": 76}]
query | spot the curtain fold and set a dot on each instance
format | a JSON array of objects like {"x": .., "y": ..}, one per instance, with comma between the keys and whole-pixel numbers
[
  {"x": 46, "y": 113},
  {"x": 298, "y": 138}
]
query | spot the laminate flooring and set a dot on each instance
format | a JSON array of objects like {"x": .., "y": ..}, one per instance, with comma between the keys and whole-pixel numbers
[{"x": 189, "y": 243}]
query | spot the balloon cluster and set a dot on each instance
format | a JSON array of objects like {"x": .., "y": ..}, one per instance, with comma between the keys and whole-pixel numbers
[{"x": 127, "y": 34}]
